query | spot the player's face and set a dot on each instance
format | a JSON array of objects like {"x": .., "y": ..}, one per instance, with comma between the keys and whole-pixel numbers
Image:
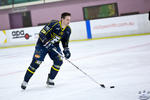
[{"x": 66, "y": 20}]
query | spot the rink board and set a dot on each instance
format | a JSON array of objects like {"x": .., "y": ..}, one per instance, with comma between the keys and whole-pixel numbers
[{"x": 83, "y": 30}]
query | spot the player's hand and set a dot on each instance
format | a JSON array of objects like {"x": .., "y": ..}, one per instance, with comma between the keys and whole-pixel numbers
[
  {"x": 49, "y": 46},
  {"x": 67, "y": 53}
]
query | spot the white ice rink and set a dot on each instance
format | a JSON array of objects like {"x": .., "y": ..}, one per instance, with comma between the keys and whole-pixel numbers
[{"x": 123, "y": 62}]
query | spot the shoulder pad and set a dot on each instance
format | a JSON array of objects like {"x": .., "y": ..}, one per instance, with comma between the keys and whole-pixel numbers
[{"x": 54, "y": 21}]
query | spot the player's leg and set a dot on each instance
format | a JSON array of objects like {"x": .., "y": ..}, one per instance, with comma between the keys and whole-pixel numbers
[
  {"x": 38, "y": 57},
  {"x": 30, "y": 71},
  {"x": 57, "y": 62}
]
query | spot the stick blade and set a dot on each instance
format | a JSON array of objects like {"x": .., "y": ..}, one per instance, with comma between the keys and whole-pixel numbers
[{"x": 102, "y": 85}]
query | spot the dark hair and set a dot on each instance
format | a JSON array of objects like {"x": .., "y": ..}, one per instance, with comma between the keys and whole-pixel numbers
[{"x": 63, "y": 15}]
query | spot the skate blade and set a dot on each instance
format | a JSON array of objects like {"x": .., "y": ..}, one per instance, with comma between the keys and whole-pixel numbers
[{"x": 49, "y": 86}]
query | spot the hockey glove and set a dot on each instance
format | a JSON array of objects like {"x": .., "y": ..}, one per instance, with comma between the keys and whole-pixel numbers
[
  {"x": 67, "y": 53},
  {"x": 49, "y": 46}
]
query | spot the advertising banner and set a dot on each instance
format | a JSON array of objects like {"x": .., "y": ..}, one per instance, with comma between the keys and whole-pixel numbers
[
  {"x": 108, "y": 27},
  {"x": 24, "y": 34},
  {"x": 3, "y": 37},
  {"x": 111, "y": 25}
]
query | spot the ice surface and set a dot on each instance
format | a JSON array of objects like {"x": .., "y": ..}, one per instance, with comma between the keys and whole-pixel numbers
[{"x": 123, "y": 62}]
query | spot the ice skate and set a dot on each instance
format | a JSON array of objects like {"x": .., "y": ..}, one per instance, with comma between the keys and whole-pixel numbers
[
  {"x": 24, "y": 85},
  {"x": 50, "y": 82}
]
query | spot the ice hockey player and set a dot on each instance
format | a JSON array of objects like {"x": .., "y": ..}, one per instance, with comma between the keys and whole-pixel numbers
[{"x": 49, "y": 38}]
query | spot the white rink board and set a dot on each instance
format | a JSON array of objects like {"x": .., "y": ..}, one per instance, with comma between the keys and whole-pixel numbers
[
  {"x": 116, "y": 26},
  {"x": 125, "y": 25},
  {"x": 105, "y": 27},
  {"x": 17, "y": 36},
  {"x": 78, "y": 30}
]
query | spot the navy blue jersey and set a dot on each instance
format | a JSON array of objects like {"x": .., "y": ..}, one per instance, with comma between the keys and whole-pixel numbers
[{"x": 54, "y": 33}]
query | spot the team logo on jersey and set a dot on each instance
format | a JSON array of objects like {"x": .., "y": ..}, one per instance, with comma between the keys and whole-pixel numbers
[
  {"x": 57, "y": 28},
  {"x": 47, "y": 28},
  {"x": 37, "y": 56},
  {"x": 55, "y": 39},
  {"x": 43, "y": 31}
]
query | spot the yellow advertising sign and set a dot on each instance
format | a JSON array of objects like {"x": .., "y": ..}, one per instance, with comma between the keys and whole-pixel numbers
[{"x": 3, "y": 38}]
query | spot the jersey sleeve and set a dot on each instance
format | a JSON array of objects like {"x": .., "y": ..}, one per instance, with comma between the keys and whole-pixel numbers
[
  {"x": 47, "y": 29},
  {"x": 65, "y": 40}
]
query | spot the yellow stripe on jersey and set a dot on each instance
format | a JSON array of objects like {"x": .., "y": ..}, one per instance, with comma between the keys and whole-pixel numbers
[
  {"x": 55, "y": 68},
  {"x": 51, "y": 28},
  {"x": 30, "y": 71},
  {"x": 62, "y": 29},
  {"x": 44, "y": 32},
  {"x": 54, "y": 36}
]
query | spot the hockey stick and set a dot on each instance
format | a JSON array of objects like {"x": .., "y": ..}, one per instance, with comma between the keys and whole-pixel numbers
[{"x": 102, "y": 85}]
